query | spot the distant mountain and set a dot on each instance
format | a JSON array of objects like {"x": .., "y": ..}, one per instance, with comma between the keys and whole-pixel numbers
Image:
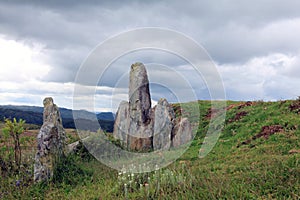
[
  {"x": 106, "y": 116},
  {"x": 34, "y": 115},
  {"x": 30, "y": 116}
]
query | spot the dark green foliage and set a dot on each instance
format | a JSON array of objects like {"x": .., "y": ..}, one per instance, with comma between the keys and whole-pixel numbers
[
  {"x": 113, "y": 140},
  {"x": 82, "y": 152},
  {"x": 14, "y": 129},
  {"x": 69, "y": 172}
]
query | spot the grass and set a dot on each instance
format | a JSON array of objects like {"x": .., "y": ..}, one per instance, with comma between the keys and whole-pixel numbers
[{"x": 260, "y": 169}]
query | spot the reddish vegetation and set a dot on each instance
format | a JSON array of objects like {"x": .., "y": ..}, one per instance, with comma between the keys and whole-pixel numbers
[
  {"x": 30, "y": 140},
  {"x": 29, "y": 134},
  {"x": 265, "y": 132},
  {"x": 295, "y": 107},
  {"x": 177, "y": 109},
  {"x": 238, "y": 116},
  {"x": 211, "y": 113},
  {"x": 248, "y": 103},
  {"x": 294, "y": 151},
  {"x": 231, "y": 106},
  {"x": 240, "y": 106}
]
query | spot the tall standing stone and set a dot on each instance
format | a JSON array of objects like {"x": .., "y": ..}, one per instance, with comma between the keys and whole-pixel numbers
[
  {"x": 139, "y": 95},
  {"x": 140, "y": 131},
  {"x": 51, "y": 142}
]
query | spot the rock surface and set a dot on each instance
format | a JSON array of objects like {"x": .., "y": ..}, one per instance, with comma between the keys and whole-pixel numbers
[
  {"x": 121, "y": 125},
  {"x": 182, "y": 133},
  {"x": 139, "y": 133},
  {"x": 139, "y": 95},
  {"x": 50, "y": 141},
  {"x": 142, "y": 128},
  {"x": 163, "y": 125}
]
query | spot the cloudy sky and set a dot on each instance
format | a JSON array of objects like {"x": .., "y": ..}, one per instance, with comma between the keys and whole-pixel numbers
[{"x": 253, "y": 44}]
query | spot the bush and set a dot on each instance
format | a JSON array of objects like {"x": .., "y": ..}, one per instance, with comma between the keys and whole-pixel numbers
[{"x": 14, "y": 129}]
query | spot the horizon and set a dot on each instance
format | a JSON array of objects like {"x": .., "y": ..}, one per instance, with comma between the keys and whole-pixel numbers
[{"x": 109, "y": 111}]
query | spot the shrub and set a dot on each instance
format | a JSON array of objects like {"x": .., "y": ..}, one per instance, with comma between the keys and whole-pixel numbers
[{"x": 14, "y": 128}]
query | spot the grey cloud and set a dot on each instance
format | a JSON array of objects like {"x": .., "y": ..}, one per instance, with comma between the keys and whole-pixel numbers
[
  {"x": 232, "y": 32},
  {"x": 239, "y": 43},
  {"x": 68, "y": 23}
]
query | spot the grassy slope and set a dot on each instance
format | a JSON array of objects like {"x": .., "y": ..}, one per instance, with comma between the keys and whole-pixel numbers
[{"x": 260, "y": 169}]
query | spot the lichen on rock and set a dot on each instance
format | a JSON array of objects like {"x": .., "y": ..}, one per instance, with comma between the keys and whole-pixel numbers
[{"x": 50, "y": 142}]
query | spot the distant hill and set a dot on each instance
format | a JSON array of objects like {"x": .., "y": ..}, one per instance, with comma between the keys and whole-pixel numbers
[
  {"x": 30, "y": 116},
  {"x": 34, "y": 115},
  {"x": 106, "y": 116}
]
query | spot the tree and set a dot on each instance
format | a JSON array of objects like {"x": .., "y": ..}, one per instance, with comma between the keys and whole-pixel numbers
[{"x": 14, "y": 128}]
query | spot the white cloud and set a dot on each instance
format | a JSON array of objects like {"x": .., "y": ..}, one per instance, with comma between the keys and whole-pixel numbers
[
  {"x": 292, "y": 70},
  {"x": 20, "y": 62},
  {"x": 261, "y": 78}
]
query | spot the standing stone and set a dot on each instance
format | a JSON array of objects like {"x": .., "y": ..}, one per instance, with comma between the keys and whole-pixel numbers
[
  {"x": 139, "y": 95},
  {"x": 182, "y": 133},
  {"x": 121, "y": 124},
  {"x": 51, "y": 142},
  {"x": 140, "y": 129},
  {"x": 163, "y": 125}
]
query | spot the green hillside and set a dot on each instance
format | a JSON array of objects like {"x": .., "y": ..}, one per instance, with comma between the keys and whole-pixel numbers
[{"x": 257, "y": 156}]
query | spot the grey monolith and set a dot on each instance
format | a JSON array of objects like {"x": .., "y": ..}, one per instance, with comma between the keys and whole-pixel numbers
[{"x": 50, "y": 142}]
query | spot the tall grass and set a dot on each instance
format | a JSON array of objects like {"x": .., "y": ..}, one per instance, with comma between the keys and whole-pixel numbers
[{"x": 261, "y": 169}]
